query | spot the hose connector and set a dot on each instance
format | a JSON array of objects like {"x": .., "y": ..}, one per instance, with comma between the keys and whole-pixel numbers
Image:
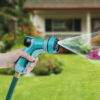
[{"x": 17, "y": 75}]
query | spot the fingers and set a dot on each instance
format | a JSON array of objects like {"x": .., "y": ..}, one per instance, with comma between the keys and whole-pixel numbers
[
  {"x": 32, "y": 65},
  {"x": 26, "y": 56},
  {"x": 33, "y": 61}
]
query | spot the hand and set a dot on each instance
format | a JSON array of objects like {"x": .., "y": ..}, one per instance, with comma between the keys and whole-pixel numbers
[{"x": 9, "y": 59}]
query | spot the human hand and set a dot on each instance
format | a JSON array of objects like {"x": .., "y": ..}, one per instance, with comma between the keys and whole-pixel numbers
[{"x": 9, "y": 59}]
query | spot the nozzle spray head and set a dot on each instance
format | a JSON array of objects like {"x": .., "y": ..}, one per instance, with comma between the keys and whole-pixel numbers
[{"x": 52, "y": 45}]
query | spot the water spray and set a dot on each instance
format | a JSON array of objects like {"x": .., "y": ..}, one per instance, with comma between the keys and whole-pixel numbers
[
  {"x": 85, "y": 45},
  {"x": 34, "y": 47}
]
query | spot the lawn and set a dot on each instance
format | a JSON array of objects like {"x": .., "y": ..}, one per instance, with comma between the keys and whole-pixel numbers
[{"x": 80, "y": 80}]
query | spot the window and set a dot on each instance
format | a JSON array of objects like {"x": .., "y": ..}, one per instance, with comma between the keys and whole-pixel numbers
[
  {"x": 48, "y": 25},
  {"x": 63, "y": 25}
]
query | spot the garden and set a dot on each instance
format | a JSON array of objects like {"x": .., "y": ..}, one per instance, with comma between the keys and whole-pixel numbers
[{"x": 62, "y": 76}]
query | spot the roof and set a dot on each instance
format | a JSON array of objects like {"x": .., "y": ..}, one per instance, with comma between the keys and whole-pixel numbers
[{"x": 61, "y": 4}]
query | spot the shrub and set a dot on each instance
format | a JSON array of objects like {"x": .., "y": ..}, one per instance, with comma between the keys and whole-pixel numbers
[
  {"x": 85, "y": 49},
  {"x": 17, "y": 38},
  {"x": 57, "y": 70},
  {"x": 44, "y": 70},
  {"x": 7, "y": 71},
  {"x": 8, "y": 41},
  {"x": 79, "y": 46},
  {"x": 2, "y": 47},
  {"x": 47, "y": 64}
]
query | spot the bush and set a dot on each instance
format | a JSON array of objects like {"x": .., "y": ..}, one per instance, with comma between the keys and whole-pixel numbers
[
  {"x": 8, "y": 41},
  {"x": 57, "y": 70},
  {"x": 7, "y": 71},
  {"x": 79, "y": 46},
  {"x": 15, "y": 39},
  {"x": 85, "y": 49},
  {"x": 44, "y": 70},
  {"x": 47, "y": 64},
  {"x": 2, "y": 47}
]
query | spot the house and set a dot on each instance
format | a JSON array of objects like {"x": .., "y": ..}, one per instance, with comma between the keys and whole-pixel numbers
[{"x": 64, "y": 18}]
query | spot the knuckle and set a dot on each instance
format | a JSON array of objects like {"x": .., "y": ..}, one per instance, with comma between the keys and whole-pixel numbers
[{"x": 20, "y": 52}]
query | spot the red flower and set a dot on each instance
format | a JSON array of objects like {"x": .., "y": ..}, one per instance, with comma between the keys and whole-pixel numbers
[
  {"x": 24, "y": 27},
  {"x": 31, "y": 34},
  {"x": 38, "y": 32},
  {"x": 11, "y": 37},
  {"x": 51, "y": 65}
]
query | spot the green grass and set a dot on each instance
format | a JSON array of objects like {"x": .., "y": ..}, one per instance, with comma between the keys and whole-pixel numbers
[{"x": 80, "y": 80}]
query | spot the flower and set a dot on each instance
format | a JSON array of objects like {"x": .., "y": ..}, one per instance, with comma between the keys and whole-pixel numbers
[
  {"x": 31, "y": 34},
  {"x": 38, "y": 32},
  {"x": 11, "y": 37},
  {"x": 23, "y": 27},
  {"x": 95, "y": 55},
  {"x": 51, "y": 64}
]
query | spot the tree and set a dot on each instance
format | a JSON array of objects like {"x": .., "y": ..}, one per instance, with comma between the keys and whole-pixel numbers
[{"x": 12, "y": 11}]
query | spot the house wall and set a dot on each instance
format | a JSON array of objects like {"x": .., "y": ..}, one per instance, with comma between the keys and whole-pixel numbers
[{"x": 40, "y": 16}]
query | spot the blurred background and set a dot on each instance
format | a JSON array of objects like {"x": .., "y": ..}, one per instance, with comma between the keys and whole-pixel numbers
[{"x": 64, "y": 76}]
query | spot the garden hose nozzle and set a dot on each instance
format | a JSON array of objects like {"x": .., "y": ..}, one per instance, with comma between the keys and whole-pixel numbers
[{"x": 34, "y": 47}]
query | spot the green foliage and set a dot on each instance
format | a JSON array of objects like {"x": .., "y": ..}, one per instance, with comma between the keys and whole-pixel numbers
[
  {"x": 2, "y": 47},
  {"x": 42, "y": 70},
  {"x": 8, "y": 41},
  {"x": 5, "y": 3},
  {"x": 84, "y": 48},
  {"x": 12, "y": 10},
  {"x": 25, "y": 22},
  {"x": 7, "y": 71},
  {"x": 16, "y": 39},
  {"x": 57, "y": 70},
  {"x": 79, "y": 47},
  {"x": 47, "y": 65},
  {"x": 20, "y": 3}
]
